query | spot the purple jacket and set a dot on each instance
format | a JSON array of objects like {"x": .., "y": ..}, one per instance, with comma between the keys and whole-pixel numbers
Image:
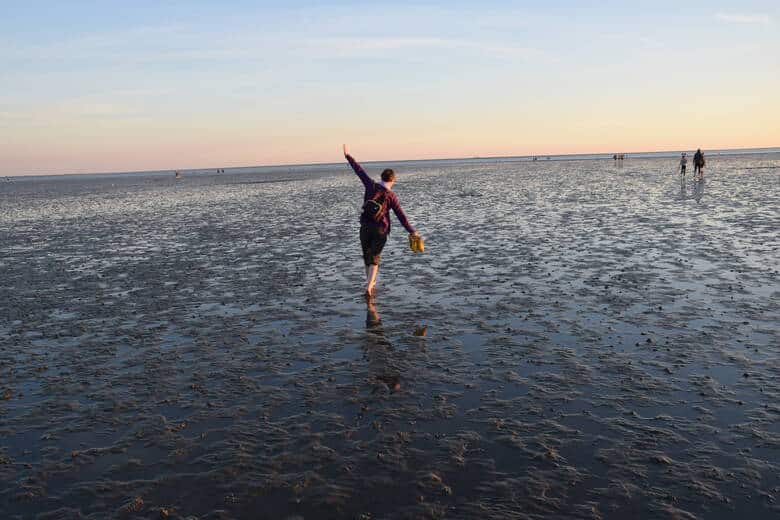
[{"x": 392, "y": 201}]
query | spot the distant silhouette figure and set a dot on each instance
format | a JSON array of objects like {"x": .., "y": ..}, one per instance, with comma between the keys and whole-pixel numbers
[{"x": 698, "y": 165}]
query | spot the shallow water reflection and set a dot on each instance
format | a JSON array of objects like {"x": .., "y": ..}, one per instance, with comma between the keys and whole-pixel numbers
[{"x": 379, "y": 351}]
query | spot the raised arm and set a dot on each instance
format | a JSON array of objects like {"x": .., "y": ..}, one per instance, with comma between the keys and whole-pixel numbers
[{"x": 361, "y": 173}]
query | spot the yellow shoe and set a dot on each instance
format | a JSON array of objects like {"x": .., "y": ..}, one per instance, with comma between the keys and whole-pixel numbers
[{"x": 416, "y": 243}]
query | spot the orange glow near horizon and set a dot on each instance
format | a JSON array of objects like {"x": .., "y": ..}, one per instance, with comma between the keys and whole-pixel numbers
[
  {"x": 280, "y": 85},
  {"x": 135, "y": 153}
]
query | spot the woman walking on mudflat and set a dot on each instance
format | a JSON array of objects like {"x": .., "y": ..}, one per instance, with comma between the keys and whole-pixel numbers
[
  {"x": 698, "y": 165},
  {"x": 378, "y": 200}
]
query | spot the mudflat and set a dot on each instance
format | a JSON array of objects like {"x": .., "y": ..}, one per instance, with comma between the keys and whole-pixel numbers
[{"x": 579, "y": 340}]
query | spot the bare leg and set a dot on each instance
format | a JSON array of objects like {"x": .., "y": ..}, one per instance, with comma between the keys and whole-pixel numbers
[{"x": 371, "y": 273}]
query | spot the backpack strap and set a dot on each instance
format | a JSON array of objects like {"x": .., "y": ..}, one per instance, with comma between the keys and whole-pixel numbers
[
  {"x": 375, "y": 207},
  {"x": 381, "y": 198}
]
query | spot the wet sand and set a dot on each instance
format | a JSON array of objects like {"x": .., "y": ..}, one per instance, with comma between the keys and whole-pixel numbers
[{"x": 578, "y": 341}]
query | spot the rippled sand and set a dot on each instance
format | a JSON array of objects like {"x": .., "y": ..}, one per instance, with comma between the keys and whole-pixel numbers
[{"x": 578, "y": 341}]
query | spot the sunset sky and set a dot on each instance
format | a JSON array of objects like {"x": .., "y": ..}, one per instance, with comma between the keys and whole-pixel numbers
[{"x": 147, "y": 85}]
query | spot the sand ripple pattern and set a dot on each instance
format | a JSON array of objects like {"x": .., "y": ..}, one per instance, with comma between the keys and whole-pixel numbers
[{"x": 578, "y": 341}]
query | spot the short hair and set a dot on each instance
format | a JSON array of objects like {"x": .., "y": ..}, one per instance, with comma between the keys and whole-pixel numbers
[{"x": 388, "y": 175}]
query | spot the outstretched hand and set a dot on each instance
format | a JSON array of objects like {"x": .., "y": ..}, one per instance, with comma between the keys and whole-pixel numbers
[{"x": 346, "y": 152}]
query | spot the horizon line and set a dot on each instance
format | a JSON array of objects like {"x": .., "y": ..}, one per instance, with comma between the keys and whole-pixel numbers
[{"x": 292, "y": 165}]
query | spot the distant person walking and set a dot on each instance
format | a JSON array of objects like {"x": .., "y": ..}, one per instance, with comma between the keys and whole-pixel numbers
[
  {"x": 378, "y": 200},
  {"x": 683, "y": 167},
  {"x": 698, "y": 165}
]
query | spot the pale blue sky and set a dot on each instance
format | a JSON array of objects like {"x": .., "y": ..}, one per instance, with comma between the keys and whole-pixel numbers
[{"x": 95, "y": 86}]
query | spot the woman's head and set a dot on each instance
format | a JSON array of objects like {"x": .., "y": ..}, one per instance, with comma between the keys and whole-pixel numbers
[{"x": 388, "y": 176}]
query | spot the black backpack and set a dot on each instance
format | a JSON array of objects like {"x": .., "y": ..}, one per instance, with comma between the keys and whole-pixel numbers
[{"x": 375, "y": 207}]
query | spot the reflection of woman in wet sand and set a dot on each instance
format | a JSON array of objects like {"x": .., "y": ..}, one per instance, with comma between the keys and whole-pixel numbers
[
  {"x": 377, "y": 351},
  {"x": 378, "y": 200},
  {"x": 698, "y": 189}
]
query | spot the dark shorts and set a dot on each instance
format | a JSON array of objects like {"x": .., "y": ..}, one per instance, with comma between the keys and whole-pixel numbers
[
  {"x": 372, "y": 241},
  {"x": 682, "y": 169}
]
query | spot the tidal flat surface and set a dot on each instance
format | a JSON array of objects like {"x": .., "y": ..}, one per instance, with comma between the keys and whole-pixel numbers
[{"x": 579, "y": 340}]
